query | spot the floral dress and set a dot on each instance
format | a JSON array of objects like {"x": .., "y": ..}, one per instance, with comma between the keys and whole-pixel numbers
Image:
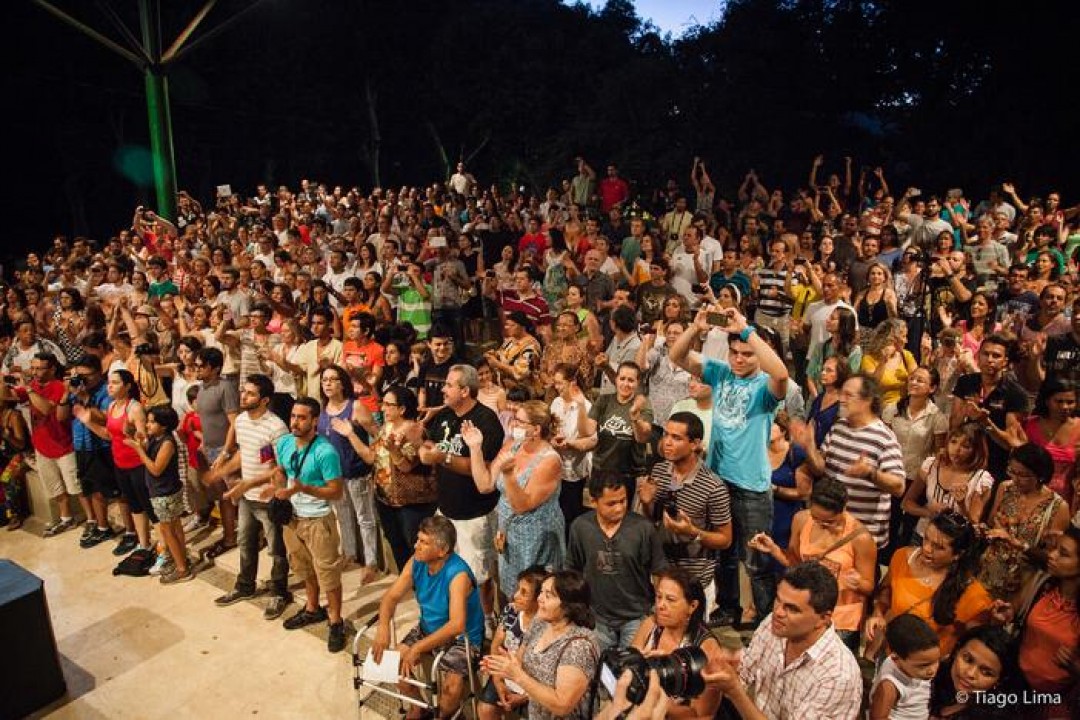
[{"x": 1004, "y": 567}]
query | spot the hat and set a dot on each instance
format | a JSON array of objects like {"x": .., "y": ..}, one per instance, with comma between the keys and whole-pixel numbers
[{"x": 146, "y": 310}]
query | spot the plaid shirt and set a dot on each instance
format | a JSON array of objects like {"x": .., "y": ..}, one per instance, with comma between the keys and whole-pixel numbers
[{"x": 824, "y": 683}]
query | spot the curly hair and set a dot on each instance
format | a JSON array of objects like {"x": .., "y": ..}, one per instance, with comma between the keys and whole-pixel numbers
[{"x": 883, "y": 335}]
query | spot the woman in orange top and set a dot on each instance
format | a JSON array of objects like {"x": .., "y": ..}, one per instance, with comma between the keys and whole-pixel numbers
[
  {"x": 936, "y": 582},
  {"x": 830, "y": 535}
]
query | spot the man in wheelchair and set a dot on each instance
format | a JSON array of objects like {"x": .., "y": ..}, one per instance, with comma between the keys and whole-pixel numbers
[{"x": 449, "y": 601}]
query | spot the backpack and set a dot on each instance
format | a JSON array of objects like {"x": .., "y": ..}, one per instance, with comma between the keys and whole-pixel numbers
[{"x": 137, "y": 564}]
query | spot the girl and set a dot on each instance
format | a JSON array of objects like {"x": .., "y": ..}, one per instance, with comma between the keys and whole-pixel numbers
[
  {"x": 954, "y": 479},
  {"x": 159, "y": 451}
]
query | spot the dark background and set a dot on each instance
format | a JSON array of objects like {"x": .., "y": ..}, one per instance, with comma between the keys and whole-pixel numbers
[{"x": 353, "y": 92}]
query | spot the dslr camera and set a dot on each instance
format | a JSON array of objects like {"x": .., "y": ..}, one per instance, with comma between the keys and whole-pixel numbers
[
  {"x": 143, "y": 349},
  {"x": 679, "y": 672}
]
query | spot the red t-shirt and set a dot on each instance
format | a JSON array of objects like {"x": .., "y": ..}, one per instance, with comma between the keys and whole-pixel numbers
[
  {"x": 369, "y": 356},
  {"x": 188, "y": 427},
  {"x": 612, "y": 191},
  {"x": 536, "y": 241},
  {"x": 49, "y": 435}
]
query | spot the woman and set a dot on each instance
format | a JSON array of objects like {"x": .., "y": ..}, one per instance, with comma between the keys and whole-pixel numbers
[
  {"x": 1044, "y": 270},
  {"x": 14, "y": 443},
  {"x": 678, "y": 621},
  {"x": 1024, "y": 514},
  {"x": 1052, "y": 427},
  {"x": 951, "y": 361},
  {"x": 140, "y": 290},
  {"x": 570, "y": 410},
  {"x": 565, "y": 348},
  {"x": 618, "y": 425},
  {"x": 372, "y": 297},
  {"x": 668, "y": 383},
  {"x": 984, "y": 662},
  {"x": 829, "y": 534},
  {"x": 281, "y": 302},
  {"x": 506, "y": 267},
  {"x": 489, "y": 393},
  {"x": 183, "y": 372},
  {"x": 954, "y": 480},
  {"x": 338, "y": 421},
  {"x": 877, "y": 303},
  {"x": 405, "y": 490},
  {"x": 842, "y": 343},
  {"x": 558, "y": 656},
  {"x": 1049, "y": 625},
  {"x": 675, "y": 309},
  {"x": 825, "y": 407},
  {"x": 517, "y": 360},
  {"x": 790, "y": 481},
  {"x": 397, "y": 368},
  {"x": 289, "y": 378},
  {"x": 526, "y": 472},
  {"x": 367, "y": 261},
  {"x": 887, "y": 361},
  {"x": 826, "y": 254},
  {"x": 555, "y": 279},
  {"x": 981, "y": 321},
  {"x": 936, "y": 582},
  {"x": 589, "y": 325},
  {"x": 69, "y": 322}
]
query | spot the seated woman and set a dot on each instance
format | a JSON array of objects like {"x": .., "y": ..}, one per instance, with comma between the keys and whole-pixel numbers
[
  {"x": 954, "y": 479},
  {"x": 678, "y": 621},
  {"x": 984, "y": 661},
  {"x": 1050, "y": 625},
  {"x": 829, "y": 534},
  {"x": 558, "y": 656},
  {"x": 1025, "y": 512},
  {"x": 936, "y": 582},
  {"x": 499, "y": 698}
]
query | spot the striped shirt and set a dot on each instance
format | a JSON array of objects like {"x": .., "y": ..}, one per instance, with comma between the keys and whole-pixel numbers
[
  {"x": 877, "y": 443},
  {"x": 823, "y": 682},
  {"x": 256, "y": 439},
  {"x": 704, "y": 498},
  {"x": 772, "y": 299}
]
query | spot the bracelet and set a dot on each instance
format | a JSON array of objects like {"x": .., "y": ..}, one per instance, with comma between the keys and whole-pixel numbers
[{"x": 747, "y": 332}]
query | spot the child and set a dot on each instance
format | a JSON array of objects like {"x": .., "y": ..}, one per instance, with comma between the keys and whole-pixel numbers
[
  {"x": 196, "y": 504},
  {"x": 500, "y": 696},
  {"x": 161, "y": 456},
  {"x": 901, "y": 689}
]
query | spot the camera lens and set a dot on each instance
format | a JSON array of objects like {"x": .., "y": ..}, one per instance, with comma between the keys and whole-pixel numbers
[{"x": 680, "y": 672}]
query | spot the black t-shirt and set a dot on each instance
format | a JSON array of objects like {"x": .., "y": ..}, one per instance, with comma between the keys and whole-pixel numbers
[
  {"x": 1007, "y": 397},
  {"x": 432, "y": 377},
  {"x": 1062, "y": 357},
  {"x": 458, "y": 497},
  {"x": 941, "y": 294}
]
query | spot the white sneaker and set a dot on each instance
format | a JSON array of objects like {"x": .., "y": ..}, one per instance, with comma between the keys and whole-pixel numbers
[
  {"x": 194, "y": 523},
  {"x": 162, "y": 565}
]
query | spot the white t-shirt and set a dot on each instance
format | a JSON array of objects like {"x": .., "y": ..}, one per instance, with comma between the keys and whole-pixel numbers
[
  {"x": 913, "y": 702},
  {"x": 256, "y": 440},
  {"x": 576, "y": 464}
]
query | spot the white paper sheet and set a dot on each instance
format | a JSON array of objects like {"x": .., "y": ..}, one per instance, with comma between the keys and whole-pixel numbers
[{"x": 385, "y": 671}]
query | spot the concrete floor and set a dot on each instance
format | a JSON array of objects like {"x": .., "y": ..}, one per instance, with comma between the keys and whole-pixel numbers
[{"x": 132, "y": 648}]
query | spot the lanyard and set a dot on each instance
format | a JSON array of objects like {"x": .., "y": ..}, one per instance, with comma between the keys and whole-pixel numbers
[{"x": 298, "y": 466}]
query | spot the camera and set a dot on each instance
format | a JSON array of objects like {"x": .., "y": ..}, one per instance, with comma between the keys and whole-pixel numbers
[
  {"x": 143, "y": 349},
  {"x": 679, "y": 672},
  {"x": 11, "y": 380},
  {"x": 75, "y": 381}
]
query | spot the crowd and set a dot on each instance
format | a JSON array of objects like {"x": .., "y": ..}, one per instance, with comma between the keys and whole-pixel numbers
[{"x": 577, "y": 419}]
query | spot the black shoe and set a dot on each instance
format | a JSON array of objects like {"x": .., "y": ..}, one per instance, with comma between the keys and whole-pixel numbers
[
  {"x": 88, "y": 532},
  {"x": 98, "y": 536},
  {"x": 233, "y": 596},
  {"x": 276, "y": 607},
  {"x": 723, "y": 618},
  {"x": 304, "y": 618},
  {"x": 127, "y": 543},
  {"x": 336, "y": 641}
]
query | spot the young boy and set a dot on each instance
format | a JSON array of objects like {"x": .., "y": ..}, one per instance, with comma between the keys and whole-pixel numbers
[{"x": 901, "y": 689}]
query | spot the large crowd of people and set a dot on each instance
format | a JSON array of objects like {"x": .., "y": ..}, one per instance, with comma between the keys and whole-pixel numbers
[{"x": 580, "y": 420}]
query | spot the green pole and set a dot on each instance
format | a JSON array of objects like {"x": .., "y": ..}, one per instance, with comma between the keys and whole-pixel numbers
[{"x": 157, "y": 107}]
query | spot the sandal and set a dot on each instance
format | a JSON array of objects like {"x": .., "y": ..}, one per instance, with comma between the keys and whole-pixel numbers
[
  {"x": 218, "y": 548},
  {"x": 14, "y": 524}
]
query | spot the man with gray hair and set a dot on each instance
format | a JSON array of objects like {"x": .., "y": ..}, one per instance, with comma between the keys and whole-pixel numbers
[{"x": 471, "y": 512}]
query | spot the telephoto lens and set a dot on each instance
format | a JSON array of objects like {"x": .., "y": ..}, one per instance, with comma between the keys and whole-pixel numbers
[{"x": 679, "y": 672}]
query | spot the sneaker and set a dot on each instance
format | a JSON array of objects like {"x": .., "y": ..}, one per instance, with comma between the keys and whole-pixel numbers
[
  {"x": 163, "y": 565},
  {"x": 175, "y": 576},
  {"x": 97, "y": 537},
  {"x": 336, "y": 641},
  {"x": 276, "y": 607},
  {"x": 217, "y": 549},
  {"x": 88, "y": 532},
  {"x": 234, "y": 596},
  {"x": 304, "y": 617},
  {"x": 59, "y": 526},
  {"x": 128, "y": 542},
  {"x": 194, "y": 523}
]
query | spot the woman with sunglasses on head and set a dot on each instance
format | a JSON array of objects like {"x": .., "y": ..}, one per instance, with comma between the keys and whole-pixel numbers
[{"x": 1024, "y": 514}]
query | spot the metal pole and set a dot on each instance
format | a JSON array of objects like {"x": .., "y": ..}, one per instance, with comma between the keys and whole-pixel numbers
[{"x": 157, "y": 107}]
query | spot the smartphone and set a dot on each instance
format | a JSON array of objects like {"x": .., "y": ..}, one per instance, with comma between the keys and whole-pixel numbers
[
  {"x": 489, "y": 273},
  {"x": 607, "y": 679},
  {"x": 699, "y": 289},
  {"x": 646, "y": 329},
  {"x": 717, "y": 319}
]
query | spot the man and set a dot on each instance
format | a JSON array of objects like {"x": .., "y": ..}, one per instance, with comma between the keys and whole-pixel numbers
[
  {"x": 617, "y": 551},
  {"x": 689, "y": 503},
  {"x": 1049, "y": 321},
  {"x": 50, "y": 434},
  {"x": 730, "y": 274},
  {"x": 1016, "y": 302},
  {"x": 951, "y": 286},
  {"x": 450, "y": 612},
  {"x": 351, "y": 302},
  {"x": 235, "y": 299},
  {"x": 1059, "y": 356},
  {"x": 583, "y": 185},
  {"x": 996, "y": 203},
  {"x": 93, "y": 457},
  {"x": 471, "y": 511},
  {"x": 993, "y": 399},
  {"x": 926, "y": 227},
  {"x": 433, "y": 373},
  {"x": 27, "y": 346},
  {"x": 534, "y": 241},
  {"x": 363, "y": 358},
  {"x": 160, "y": 284},
  {"x": 317, "y": 354},
  {"x": 674, "y": 224},
  {"x": 308, "y": 474},
  {"x": 770, "y": 289},
  {"x": 336, "y": 275},
  {"x": 462, "y": 182},
  {"x": 818, "y": 312},
  {"x": 253, "y": 437},
  {"x": 623, "y": 347},
  {"x": 991, "y": 258},
  {"x": 450, "y": 286},
  {"x": 795, "y": 666},
  {"x": 253, "y": 344},
  {"x": 413, "y": 297},
  {"x": 217, "y": 405},
  {"x": 862, "y": 453},
  {"x": 652, "y": 295},
  {"x": 614, "y": 191},
  {"x": 524, "y": 299},
  {"x": 699, "y": 402},
  {"x": 598, "y": 286},
  {"x": 860, "y": 267},
  {"x": 747, "y": 392}
]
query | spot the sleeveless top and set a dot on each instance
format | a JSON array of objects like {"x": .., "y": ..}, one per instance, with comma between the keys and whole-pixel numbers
[
  {"x": 351, "y": 464},
  {"x": 168, "y": 482},
  {"x": 433, "y": 597},
  {"x": 1064, "y": 457},
  {"x": 870, "y": 314},
  {"x": 124, "y": 457},
  {"x": 849, "y": 606},
  {"x": 694, "y": 637}
]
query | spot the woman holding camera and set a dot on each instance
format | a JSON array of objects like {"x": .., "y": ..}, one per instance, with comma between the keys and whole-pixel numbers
[
  {"x": 558, "y": 656},
  {"x": 678, "y": 621}
]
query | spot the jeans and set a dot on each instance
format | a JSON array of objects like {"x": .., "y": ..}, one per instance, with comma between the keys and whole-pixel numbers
[
  {"x": 253, "y": 517},
  {"x": 609, "y": 636},
  {"x": 357, "y": 505},
  {"x": 400, "y": 525},
  {"x": 751, "y": 513}
]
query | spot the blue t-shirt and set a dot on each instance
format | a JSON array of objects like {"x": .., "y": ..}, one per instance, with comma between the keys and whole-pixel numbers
[
  {"x": 83, "y": 439},
  {"x": 743, "y": 411},
  {"x": 433, "y": 597},
  {"x": 317, "y": 468}
]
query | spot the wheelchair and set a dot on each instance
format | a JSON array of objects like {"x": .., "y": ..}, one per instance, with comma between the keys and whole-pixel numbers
[{"x": 386, "y": 699}]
